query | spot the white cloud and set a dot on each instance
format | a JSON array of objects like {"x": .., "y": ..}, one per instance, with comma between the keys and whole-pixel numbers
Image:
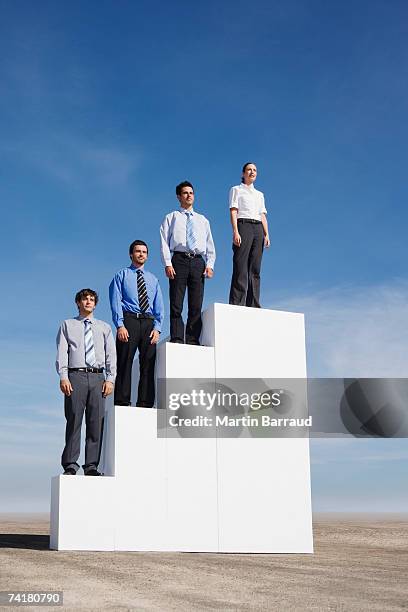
[
  {"x": 114, "y": 165},
  {"x": 75, "y": 160},
  {"x": 357, "y": 451},
  {"x": 355, "y": 331}
]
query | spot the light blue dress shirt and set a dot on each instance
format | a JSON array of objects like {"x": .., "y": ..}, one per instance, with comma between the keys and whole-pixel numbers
[
  {"x": 124, "y": 297},
  {"x": 173, "y": 236}
]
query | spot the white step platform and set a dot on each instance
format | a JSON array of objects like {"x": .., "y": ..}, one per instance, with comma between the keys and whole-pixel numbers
[{"x": 209, "y": 494}]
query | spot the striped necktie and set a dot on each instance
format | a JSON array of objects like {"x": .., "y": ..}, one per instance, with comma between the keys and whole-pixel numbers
[
  {"x": 90, "y": 357},
  {"x": 141, "y": 292},
  {"x": 191, "y": 241}
]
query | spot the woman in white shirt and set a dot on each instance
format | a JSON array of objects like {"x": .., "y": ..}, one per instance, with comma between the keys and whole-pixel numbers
[{"x": 250, "y": 235}]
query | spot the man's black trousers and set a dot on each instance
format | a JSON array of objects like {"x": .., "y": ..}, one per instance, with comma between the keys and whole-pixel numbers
[
  {"x": 86, "y": 397},
  {"x": 190, "y": 275},
  {"x": 245, "y": 283},
  {"x": 139, "y": 338}
]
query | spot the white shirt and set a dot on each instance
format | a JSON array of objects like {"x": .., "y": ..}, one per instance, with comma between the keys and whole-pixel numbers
[
  {"x": 249, "y": 201},
  {"x": 173, "y": 234}
]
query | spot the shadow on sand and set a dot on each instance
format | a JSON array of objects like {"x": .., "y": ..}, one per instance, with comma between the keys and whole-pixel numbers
[{"x": 24, "y": 540}]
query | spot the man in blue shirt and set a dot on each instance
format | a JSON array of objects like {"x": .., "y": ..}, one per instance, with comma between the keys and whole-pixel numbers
[{"x": 137, "y": 313}]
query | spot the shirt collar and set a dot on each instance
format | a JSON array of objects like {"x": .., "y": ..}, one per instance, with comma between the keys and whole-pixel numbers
[
  {"x": 250, "y": 187},
  {"x": 132, "y": 267},
  {"x": 184, "y": 211},
  {"x": 81, "y": 318}
]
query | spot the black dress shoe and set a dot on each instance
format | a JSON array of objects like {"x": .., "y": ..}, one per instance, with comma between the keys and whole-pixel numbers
[
  {"x": 69, "y": 472},
  {"x": 93, "y": 472},
  {"x": 193, "y": 342}
]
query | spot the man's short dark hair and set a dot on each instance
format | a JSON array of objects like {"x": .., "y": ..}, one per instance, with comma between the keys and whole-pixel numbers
[
  {"x": 137, "y": 243},
  {"x": 182, "y": 185},
  {"x": 84, "y": 293}
]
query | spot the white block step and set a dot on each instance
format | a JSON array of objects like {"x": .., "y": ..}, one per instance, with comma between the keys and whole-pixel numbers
[
  {"x": 82, "y": 513},
  {"x": 198, "y": 494}
]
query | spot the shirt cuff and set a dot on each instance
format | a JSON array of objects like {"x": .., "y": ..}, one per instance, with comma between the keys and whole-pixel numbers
[
  {"x": 64, "y": 374},
  {"x": 110, "y": 378},
  {"x": 157, "y": 326},
  {"x": 119, "y": 323},
  {"x": 210, "y": 264},
  {"x": 167, "y": 262}
]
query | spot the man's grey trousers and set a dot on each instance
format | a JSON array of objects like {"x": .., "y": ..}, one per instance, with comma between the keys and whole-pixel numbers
[{"x": 85, "y": 397}]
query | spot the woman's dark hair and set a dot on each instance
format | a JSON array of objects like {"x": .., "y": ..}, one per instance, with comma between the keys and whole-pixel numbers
[
  {"x": 181, "y": 185},
  {"x": 84, "y": 293},
  {"x": 244, "y": 168},
  {"x": 136, "y": 243}
]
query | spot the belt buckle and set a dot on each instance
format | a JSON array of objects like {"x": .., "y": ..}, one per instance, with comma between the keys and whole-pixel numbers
[{"x": 190, "y": 254}]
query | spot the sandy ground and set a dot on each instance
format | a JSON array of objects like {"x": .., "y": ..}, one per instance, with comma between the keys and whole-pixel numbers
[{"x": 360, "y": 563}]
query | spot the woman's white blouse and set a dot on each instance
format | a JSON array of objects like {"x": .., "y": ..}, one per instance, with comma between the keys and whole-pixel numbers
[{"x": 249, "y": 201}]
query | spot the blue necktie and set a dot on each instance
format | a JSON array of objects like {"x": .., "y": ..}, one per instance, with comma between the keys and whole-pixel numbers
[
  {"x": 90, "y": 357},
  {"x": 191, "y": 241}
]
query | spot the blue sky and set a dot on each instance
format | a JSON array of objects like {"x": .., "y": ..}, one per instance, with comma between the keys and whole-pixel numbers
[{"x": 105, "y": 106}]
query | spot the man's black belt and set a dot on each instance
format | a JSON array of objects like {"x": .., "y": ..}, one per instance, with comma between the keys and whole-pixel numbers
[
  {"x": 248, "y": 221},
  {"x": 138, "y": 315},
  {"x": 92, "y": 370},
  {"x": 188, "y": 254}
]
